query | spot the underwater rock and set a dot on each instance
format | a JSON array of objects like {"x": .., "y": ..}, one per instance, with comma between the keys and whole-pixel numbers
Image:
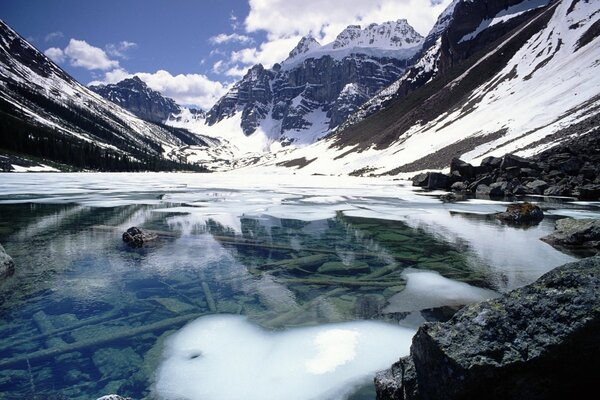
[
  {"x": 519, "y": 213},
  {"x": 7, "y": 265},
  {"x": 571, "y": 232},
  {"x": 135, "y": 237},
  {"x": 116, "y": 363},
  {"x": 536, "y": 342}
]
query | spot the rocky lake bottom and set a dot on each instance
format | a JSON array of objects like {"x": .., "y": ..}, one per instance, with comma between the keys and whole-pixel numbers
[{"x": 257, "y": 286}]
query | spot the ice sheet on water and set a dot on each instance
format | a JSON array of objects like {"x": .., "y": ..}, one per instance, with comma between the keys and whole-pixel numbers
[
  {"x": 430, "y": 290},
  {"x": 226, "y": 357}
]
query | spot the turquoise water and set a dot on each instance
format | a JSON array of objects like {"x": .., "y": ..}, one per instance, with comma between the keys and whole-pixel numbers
[{"x": 85, "y": 315}]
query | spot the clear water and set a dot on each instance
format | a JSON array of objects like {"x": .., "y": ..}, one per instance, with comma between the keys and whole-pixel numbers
[{"x": 86, "y": 316}]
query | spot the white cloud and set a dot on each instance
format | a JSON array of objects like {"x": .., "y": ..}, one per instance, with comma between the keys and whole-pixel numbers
[
  {"x": 82, "y": 54},
  {"x": 186, "y": 89},
  {"x": 53, "y": 36},
  {"x": 120, "y": 49},
  {"x": 286, "y": 21},
  {"x": 234, "y": 38},
  {"x": 268, "y": 53},
  {"x": 55, "y": 54},
  {"x": 325, "y": 19}
]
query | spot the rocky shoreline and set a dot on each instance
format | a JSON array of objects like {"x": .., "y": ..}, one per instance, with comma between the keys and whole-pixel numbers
[
  {"x": 536, "y": 342},
  {"x": 571, "y": 170}
]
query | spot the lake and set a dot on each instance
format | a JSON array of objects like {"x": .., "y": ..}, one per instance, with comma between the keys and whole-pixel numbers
[{"x": 257, "y": 287}]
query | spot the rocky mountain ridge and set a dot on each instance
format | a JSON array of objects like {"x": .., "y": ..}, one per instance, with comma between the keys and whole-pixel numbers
[
  {"x": 317, "y": 87},
  {"x": 135, "y": 96}
]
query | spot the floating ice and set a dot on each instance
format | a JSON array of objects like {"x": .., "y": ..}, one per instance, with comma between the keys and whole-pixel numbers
[
  {"x": 429, "y": 290},
  {"x": 228, "y": 358}
]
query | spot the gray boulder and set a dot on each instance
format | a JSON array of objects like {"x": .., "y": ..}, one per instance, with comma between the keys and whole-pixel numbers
[
  {"x": 574, "y": 233},
  {"x": 537, "y": 186},
  {"x": 536, "y": 342},
  {"x": 7, "y": 265}
]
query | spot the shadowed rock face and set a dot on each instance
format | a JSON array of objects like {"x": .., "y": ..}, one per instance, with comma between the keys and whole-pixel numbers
[
  {"x": 537, "y": 342},
  {"x": 135, "y": 96}
]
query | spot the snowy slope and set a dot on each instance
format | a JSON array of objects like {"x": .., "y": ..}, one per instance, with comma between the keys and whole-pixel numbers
[
  {"x": 548, "y": 90},
  {"x": 36, "y": 91}
]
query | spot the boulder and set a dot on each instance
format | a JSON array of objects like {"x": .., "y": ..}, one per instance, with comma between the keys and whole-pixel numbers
[
  {"x": 465, "y": 169},
  {"x": 113, "y": 397},
  {"x": 135, "y": 237},
  {"x": 575, "y": 233},
  {"x": 458, "y": 187},
  {"x": 511, "y": 160},
  {"x": 491, "y": 162},
  {"x": 521, "y": 213},
  {"x": 558, "y": 190},
  {"x": 482, "y": 190},
  {"x": 589, "y": 192},
  {"x": 500, "y": 189},
  {"x": 7, "y": 265},
  {"x": 437, "y": 180},
  {"x": 536, "y": 342},
  {"x": 537, "y": 186},
  {"x": 420, "y": 180}
]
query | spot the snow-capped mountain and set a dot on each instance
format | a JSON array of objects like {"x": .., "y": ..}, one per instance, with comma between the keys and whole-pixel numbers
[
  {"x": 316, "y": 87},
  {"x": 496, "y": 77},
  {"x": 46, "y": 113},
  {"x": 135, "y": 96}
]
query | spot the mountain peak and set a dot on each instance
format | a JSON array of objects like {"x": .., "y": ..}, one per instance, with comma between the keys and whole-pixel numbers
[
  {"x": 387, "y": 35},
  {"x": 306, "y": 44}
]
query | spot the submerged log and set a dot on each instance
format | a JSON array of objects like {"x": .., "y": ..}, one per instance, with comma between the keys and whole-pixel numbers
[{"x": 100, "y": 340}]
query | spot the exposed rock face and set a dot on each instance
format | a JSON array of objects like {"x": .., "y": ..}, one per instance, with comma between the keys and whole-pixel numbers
[
  {"x": 134, "y": 95},
  {"x": 443, "y": 47},
  {"x": 574, "y": 233},
  {"x": 113, "y": 397},
  {"x": 135, "y": 237},
  {"x": 320, "y": 84},
  {"x": 537, "y": 342},
  {"x": 521, "y": 213},
  {"x": 7, "y": 265}
]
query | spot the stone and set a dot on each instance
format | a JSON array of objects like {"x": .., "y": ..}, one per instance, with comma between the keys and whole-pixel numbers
[
  {"x": 420, "y": 180},
  {"x": 558, "y": 190},
  {"x": 340, "y": 269},
  {"x": 458, "y": 187},
  {"x": 114, "y": 397},
  {"x": 589, "y": 192},
  {"x": 482, "y": 190},
  {"x": 485, "y": 180},
  {"x": 136, "y": 237},
  {"x": 465, "y": 169},
  {"x": 571, "y": 232},
  {"x": 491, "y": 162},
  {"x": 521, "y": 213},
  {"x": 500, "y": 189},
  {"x": 536, "y": 342},
  {"x": 437, "y": 180},
  {"x": 7, "y": 264},
  {"x": 537, "y": 186},
  {"x": 510, "y": 160}
]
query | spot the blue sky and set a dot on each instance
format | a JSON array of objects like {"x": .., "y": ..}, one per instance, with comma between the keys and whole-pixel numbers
[{"x": 190, "y": 50}]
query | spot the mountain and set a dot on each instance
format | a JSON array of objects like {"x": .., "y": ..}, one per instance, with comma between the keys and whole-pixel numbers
[
  {"x": 317, "y": 87},
  {"x": 45, "y": 113},
  {"x": 135, "y": 96},
  {"x": 493, "y": 77}
]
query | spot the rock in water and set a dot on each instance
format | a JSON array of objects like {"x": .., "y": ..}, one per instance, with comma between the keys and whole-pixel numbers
[
  {"x": 519, "y": 213},
  {"x": 536, "y": 342},
  {"x": 135, "y": 237},
  {"x": 575, "y": 233},
  {"x": 7, "y": 265},
  {"x": 113, "y": 397}
]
